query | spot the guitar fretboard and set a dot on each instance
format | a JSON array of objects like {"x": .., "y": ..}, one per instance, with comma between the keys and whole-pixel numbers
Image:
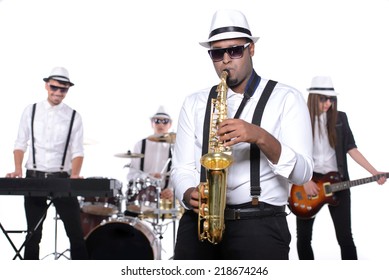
[{"x": 348, "y": 184}]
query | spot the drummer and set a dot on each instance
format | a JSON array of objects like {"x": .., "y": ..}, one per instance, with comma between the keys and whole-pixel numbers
[{"x": 157, "y": 151}]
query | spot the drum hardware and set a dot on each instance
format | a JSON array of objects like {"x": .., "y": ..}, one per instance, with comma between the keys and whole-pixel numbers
[
  {"x": 101, "y": 205},
  {"x": 55, "y": 253},
  {"x": 164, "y": 138},
  {"x": 165, "y": 210},
  {"x": 141, "y": 195},
  {"x": 129, "y": 155}
]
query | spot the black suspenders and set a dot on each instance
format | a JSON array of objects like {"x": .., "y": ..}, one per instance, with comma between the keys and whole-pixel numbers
[
  {"x": 255, "y": 153},
  {"x": 255, "y": 190},
  {"x": 32, "y": 136},
  {"x": 142, "y": 160},
  {"x": 143, "y": 151},
  {"x": 67, "y": 140}
]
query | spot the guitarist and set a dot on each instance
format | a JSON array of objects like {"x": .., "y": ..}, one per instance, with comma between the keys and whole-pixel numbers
[{"x": 332, "y": 141}]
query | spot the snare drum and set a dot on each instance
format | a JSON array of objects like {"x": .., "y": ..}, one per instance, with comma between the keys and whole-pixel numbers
[
  {"x": 101, "y": 206},
  {"x": 124, "y": 238}
]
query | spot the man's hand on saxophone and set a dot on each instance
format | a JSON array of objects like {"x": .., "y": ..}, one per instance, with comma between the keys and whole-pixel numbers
[
  {"x": 234, "y": 131},
  {"x": 191, "y": 198}
]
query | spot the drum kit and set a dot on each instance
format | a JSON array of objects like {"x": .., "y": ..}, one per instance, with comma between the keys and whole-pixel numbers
[{"x": 131, "y": 225}]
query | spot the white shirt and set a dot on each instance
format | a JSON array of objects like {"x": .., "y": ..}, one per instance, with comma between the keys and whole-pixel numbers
[
  {"x": 51, "y": 128},
  {"x": 156, "y": 157},
  {"x": 324, "y": 155},
  {"x": 156, "y": 160},
  {"x": 286, "y": 117}
]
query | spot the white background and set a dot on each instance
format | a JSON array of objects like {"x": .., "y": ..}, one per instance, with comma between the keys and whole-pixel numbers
[{"x": 128, "y": 57}]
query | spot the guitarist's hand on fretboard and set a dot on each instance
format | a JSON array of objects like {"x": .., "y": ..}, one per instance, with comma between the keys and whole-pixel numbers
[{"x": 382, "y": 179}]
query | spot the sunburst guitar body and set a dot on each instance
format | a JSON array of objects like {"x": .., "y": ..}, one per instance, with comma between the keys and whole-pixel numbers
[{"x": 306, "y": 206}]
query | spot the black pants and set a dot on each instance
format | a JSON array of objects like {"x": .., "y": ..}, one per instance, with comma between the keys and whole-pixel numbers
[
  {"x": 68, "y": 209},
  {"x": 261, "y": 238},
  {"x": 341, "y": 218}
]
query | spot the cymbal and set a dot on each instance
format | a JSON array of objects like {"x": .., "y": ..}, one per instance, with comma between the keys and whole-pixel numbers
[
  {"x": 164, "y": 138},
  {"x": 129, "y": 155}
]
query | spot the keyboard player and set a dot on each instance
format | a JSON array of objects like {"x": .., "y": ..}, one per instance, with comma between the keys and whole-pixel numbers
[{"x": 52, "y": 132}]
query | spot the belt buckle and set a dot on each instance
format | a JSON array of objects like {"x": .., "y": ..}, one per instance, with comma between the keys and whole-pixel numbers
[{"x": 237, "y": 214}]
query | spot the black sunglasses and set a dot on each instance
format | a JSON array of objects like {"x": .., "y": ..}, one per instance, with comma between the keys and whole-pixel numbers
[
  {"x": 323, "y": 98},
  {"x": 163, "y": 121},
  {"x": 234, "y": 52},
  {"x": 61, "y": 89}
]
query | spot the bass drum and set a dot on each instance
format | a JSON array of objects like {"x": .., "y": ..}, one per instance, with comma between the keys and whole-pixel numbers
[{"x": 124, "y": 238}]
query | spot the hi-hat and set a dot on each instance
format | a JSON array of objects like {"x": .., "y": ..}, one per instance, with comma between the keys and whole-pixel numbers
[
  {"x": 129, "y": 155},
  {"x": 164, "y": 138}
]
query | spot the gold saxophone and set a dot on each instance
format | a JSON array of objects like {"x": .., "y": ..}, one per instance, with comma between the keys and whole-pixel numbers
[{"x": 212, "y": 193}]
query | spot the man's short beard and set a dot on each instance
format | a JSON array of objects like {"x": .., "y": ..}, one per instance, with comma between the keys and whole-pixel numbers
[{"x": 232, "y": 83}]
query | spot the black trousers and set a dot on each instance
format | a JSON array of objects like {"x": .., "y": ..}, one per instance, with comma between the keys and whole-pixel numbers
[
  {"x": 68, "y": 209},
  {"x": 341, "y": 218},
  {"x": 261, "y": 238}
]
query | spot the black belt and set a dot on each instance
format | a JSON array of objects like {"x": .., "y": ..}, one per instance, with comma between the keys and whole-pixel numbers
[
  {"x": 41, "y": 174},
  {"x": 262, "y": 210}
]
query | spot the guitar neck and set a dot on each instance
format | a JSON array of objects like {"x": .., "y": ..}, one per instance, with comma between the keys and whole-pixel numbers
[{"x": 348, "y": 184}]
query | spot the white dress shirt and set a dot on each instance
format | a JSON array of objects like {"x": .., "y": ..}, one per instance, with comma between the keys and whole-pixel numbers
[
  {"x": 286, "y": 117},
  {"x": 324, "y": 155},
  {"x": 155, "y": 158},
  {"x": 51, "y": 128}
]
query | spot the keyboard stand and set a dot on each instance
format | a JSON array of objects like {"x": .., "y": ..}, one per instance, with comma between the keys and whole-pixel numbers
[
  {"x": 28, "y": 236},
  {"x": 6, "y": 233}
]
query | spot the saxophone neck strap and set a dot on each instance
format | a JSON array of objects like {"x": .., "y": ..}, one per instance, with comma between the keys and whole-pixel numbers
[{"x": 248, "y": 93}]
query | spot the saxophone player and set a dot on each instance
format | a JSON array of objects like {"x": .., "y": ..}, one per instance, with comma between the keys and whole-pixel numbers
[{"x": 268, "y": 130}]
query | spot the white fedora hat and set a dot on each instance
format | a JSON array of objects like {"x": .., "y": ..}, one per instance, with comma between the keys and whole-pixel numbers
[
  {"x": 59, "y": 74},
  {"x": 322, "y": 85},
  {"x": 161, "y": 113},
  {"x": 228, "y": 24}
]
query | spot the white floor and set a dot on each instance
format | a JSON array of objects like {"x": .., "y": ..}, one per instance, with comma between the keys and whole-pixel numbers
[{"x": 368, "y": 217}]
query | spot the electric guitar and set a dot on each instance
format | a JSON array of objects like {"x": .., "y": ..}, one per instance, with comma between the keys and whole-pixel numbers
[{"x": 307, "y": 206}]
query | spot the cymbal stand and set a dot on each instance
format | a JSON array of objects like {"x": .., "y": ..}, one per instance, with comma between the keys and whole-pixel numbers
[{"x": 55, "y": 253}]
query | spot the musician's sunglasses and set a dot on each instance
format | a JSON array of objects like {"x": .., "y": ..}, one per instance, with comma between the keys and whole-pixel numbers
[
  {"x": 163, "y": 121},
  {"x": 61, "y": 89},
  {"x": 323, "y": 98},
  {"x": 233, "y": 52}
]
